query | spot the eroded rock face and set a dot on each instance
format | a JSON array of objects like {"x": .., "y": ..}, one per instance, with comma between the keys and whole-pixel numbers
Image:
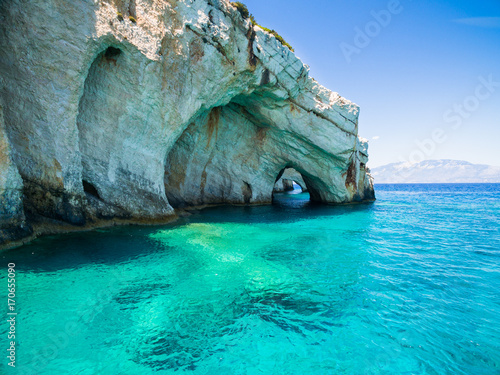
[
  {"x": 190, "y": 104},
  {"x": 12, "y": 219}
]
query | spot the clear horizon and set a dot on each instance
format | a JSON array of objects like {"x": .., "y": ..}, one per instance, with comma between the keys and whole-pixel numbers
[
  {"x": 489, "y": 164},
  {"x": 426, "y": 75}
]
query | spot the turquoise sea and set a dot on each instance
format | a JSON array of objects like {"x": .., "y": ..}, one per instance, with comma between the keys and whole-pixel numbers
[{"x": 407, "y": 285}]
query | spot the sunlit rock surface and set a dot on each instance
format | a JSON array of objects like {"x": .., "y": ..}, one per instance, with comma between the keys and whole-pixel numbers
[{"x": 123, "y": 109}]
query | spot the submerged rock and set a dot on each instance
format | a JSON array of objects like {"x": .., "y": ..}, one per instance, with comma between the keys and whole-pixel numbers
[{"x": 123, "y": 109}]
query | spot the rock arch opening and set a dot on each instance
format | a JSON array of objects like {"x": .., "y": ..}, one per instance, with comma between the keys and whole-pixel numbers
[
  {"x": 97, "y": 108},
  {"x": 122, "y": 147},
  {"x": 289, "y": 181},
  {"x": 222, "y": 157},
  {"x": 295, "y": 180},
  {"x": 230, "y": 154}
]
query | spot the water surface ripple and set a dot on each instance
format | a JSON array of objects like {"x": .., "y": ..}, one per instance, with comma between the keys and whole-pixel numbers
[{"x": 407, "y": 285}]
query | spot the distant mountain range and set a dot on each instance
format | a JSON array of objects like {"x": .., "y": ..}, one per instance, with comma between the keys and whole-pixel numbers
[{"x": 436, "y": 171}]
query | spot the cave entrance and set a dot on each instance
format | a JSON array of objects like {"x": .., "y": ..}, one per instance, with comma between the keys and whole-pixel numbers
[
  {"x": 97, "y": 110},
  {"x": 289, "y": 187},
  {"x": 284, "y": 185}
]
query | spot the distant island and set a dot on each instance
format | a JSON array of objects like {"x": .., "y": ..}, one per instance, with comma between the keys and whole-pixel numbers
[{"x": 436, "y": 171}]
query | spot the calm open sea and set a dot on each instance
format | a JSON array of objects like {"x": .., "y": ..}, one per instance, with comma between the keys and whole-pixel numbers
[{"x": 407, "y": 285}]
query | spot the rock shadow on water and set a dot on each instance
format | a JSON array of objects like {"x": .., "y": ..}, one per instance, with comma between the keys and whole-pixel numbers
[
  {"x": 285, "y": 208},
  {"x": 108, "y": 246}
]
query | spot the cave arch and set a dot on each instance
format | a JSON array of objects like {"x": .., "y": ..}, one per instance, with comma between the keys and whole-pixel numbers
[
  {"x": 120, "y": 142},
  {"x": 286, "y": 179},
  {"x": 309, "y": 183},
  {"x": 235, "y": 154},
  {"x": 94, "y": 109}
]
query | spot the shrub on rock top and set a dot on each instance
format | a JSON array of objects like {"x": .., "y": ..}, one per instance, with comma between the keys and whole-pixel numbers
[{"x": 242, "y": 8}]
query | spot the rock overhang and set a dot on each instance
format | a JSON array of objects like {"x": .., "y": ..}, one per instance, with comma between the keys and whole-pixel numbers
[{"x": 115, "y": 123}]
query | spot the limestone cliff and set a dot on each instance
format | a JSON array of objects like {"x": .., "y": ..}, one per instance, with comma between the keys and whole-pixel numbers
[
  {"x": 12, "y": 219},
  {"x": 119, "y": 109}
]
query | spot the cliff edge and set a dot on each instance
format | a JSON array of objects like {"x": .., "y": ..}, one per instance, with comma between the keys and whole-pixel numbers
[{"x": 124, "y": 110}]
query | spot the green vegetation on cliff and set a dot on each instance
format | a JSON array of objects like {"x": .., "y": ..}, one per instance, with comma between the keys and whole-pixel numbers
[{"x": 242, "y": 8}]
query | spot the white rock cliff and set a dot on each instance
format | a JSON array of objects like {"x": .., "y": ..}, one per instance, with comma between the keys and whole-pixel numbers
[{"x": 116, "y": 109}]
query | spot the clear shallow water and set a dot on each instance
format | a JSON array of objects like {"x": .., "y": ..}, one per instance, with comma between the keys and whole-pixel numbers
[{"x": 407, "y": 285}]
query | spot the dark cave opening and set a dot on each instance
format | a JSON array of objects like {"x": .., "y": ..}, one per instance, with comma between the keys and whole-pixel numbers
[
  {"x": 112, "y": 52},
  {"x": 90, "y": 189}
]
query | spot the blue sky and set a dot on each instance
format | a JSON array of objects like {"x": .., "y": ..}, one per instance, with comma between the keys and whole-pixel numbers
[{"x": 427, "y": 79}]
